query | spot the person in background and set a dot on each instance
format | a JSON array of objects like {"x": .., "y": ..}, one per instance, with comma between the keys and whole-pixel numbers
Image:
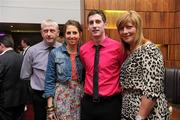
[
  {"x": 25, "y": 43},
  {"x": 12, "y": 88},
  {"x": 102, "y": 90},
  {"x": 35, "y": 63},
  {"x": 63, "y": 82},
  {"x": 61, "y": 37},
  {"x": 142, "y": 73},
  {"x": 18, "y": 49}
]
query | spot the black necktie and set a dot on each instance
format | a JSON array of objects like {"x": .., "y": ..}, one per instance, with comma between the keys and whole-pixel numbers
[
  {"x": 50, "y": 48},
  {"x": 95, "y": 76}
]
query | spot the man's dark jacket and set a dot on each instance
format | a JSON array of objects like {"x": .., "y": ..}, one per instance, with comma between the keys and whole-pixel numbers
[{"x": 13, "y": 91}]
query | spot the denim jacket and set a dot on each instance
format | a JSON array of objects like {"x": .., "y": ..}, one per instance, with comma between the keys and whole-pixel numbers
[{"x": 59, "y": 69}]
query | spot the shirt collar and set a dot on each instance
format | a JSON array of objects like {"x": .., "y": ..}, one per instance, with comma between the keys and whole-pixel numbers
[
  {"x": 47, "y": 46},
  {"x": 102, "y": 44},
  {"x": 6, "y": 50},
  {"x": 26, "y": 48},
  {"x": 64, "y": 49}
]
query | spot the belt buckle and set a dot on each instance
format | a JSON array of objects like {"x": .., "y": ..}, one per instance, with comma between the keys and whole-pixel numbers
[{"x": 96, "y": 100}]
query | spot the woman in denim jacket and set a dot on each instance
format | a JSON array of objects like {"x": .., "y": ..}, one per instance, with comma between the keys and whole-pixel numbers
[{"x": 63, "y": 88}]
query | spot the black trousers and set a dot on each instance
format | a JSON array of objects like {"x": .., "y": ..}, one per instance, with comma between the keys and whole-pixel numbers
[
  {"x": 29, "y": 91},
  {"x": 107, "y": 108},
  {"x": 12, "y": 113},
  {"x": 39, "y": 105}
]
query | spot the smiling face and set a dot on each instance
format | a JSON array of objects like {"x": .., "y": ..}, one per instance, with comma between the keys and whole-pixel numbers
[
  {"x": 128, "y": 33},
  {"x": 96, "y": 26},
  {"x": 72, "y": 35},
  {"x": 130, "y": 28}
]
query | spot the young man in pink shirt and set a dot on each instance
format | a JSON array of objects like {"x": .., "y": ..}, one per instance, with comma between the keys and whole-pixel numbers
[{"x": 102, "y": 99}]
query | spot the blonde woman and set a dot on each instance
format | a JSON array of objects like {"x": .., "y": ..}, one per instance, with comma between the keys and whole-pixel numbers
[{"x": 142, "y": 73}]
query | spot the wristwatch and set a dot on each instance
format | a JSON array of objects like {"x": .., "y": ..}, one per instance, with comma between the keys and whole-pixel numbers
[{"x": 138, "y": 117}]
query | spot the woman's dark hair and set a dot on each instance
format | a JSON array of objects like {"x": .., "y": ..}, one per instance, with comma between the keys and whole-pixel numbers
[{"x": 73, "y": 23}]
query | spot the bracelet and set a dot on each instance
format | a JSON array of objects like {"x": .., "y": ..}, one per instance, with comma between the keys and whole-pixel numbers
[
  {"x": 50, "y": 110},
  {"x": 50, "y": 113},
  {"x": 50, "y": 107}
]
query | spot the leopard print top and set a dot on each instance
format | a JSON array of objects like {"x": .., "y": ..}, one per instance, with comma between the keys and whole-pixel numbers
[{"x": 142, "y": 74}]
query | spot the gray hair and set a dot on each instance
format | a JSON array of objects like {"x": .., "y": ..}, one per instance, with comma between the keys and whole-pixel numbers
[{"x": 49, "y": 22}]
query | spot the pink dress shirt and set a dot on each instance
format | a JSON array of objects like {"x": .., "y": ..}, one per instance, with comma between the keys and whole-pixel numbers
[{"x": 111, "y": 57}]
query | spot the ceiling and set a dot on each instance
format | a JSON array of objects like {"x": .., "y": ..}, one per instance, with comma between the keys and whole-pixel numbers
[{"x": 19, "y": 27}]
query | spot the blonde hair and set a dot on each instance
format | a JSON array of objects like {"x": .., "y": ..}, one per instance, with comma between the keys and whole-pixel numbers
[
  {"x": 134, "y": 18},
  {"x": 49, "y": 22}
]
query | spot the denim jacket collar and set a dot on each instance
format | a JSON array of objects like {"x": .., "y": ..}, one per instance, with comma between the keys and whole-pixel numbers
[{"x": 64, "y": 49}]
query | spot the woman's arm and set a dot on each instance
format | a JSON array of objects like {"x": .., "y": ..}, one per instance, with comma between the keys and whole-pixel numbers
[
  {"x": 50, "y": 109},
  {"x": 146, "y": 106},
  {"x": 50, "y": 80},
  {"x": 153, "y": 75},
  {"x": 49, "y": 102}
]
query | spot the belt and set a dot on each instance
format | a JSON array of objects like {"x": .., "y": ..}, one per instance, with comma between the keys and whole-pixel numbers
[
  {"x": 38, "y": 91},
  {"x": 101, "y": 98}
]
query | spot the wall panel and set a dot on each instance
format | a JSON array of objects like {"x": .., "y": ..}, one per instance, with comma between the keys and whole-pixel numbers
[
  {"x": 117, "y": 4},
  {"x": 171, "y": 52},
  {"x": 168, "y": 36},
  {"x": 160, "y": 36},
  {"x": 157, "y": 19},
  {"x": 85, "y": 19},
  {"x": 177, "y": 36},
  {"x": 177, "y": 19},
  {"x": 151, "y": 34},
  {"x": 163, "y": 35},
  {"x": 164, "y": 51},
  {"x": 155, "y": 5},
  {"x": 107, "y": 31},
  {"x": 177, "y": 33},
  {"x": 177, "y": 63},
  {"x": 177, "y": 55},
  {"x": 91, "y": 4},
  {"x": 177, "y": 5},
  {"x": 86, "y": 35},
  {"x": 169, "y": 64},
  {"x": 114, "y": 34}
]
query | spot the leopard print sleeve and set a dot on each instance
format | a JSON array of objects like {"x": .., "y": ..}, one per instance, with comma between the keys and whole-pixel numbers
[{"x": 153, "y": 72}]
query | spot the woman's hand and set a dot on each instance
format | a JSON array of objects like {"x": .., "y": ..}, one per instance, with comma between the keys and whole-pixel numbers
[
  {"x": 50, "y": 109},
  {"x": 52, "y": 116},
  {"x": 146, "y": 106}
]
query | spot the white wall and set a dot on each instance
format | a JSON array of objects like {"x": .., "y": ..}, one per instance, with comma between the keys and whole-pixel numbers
[{"x": 34, "y": 11}]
